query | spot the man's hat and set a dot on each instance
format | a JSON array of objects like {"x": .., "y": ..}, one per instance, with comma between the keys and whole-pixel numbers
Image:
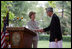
[{"x": 49, "y": 9}]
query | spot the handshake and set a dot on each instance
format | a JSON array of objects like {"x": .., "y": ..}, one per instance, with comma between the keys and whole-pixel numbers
[{"x": 39, "y": 30}]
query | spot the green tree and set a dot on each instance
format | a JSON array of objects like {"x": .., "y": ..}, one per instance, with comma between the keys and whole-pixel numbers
[
  {"x": 4, "y": 9},
  {"x": 66, "y": 19},
  {"x": 21, "y": 8}
]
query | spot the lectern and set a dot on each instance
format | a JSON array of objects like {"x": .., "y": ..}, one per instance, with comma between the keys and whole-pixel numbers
[{"x": 20, "y": 37}]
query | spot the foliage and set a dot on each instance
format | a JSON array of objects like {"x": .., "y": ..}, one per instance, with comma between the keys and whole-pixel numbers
[
  {"x": 22, "y": 9},
  {"x": 4, "y": 9},
  {"x": 46, "y": 37},
  {"x": 66, "y": 20}
]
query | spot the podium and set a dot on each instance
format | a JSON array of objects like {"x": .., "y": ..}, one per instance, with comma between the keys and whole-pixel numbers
[{"x": 20, "y": 37}]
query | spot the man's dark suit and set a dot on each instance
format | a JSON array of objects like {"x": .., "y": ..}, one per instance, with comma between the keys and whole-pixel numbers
[{"x": 54, "y": 28}]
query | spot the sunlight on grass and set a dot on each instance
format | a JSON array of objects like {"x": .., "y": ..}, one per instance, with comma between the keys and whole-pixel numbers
[{"x": 45, "y": 44}]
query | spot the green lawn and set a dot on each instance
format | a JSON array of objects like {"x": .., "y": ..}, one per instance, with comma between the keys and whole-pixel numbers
[{"x": 45, "y": 44}]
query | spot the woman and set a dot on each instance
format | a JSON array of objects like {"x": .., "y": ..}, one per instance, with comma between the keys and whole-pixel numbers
[{"x": 32, "y": 25}]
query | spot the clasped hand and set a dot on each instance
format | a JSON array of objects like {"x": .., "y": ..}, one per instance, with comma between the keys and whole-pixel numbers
[{"x": 40, "y": 30}]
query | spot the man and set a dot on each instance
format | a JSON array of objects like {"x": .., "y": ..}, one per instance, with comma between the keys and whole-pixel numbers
[{"x": 54, "y": 28}]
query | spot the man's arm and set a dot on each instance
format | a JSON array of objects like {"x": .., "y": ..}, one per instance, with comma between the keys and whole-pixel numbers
[{"x": 46, "y": 29}]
